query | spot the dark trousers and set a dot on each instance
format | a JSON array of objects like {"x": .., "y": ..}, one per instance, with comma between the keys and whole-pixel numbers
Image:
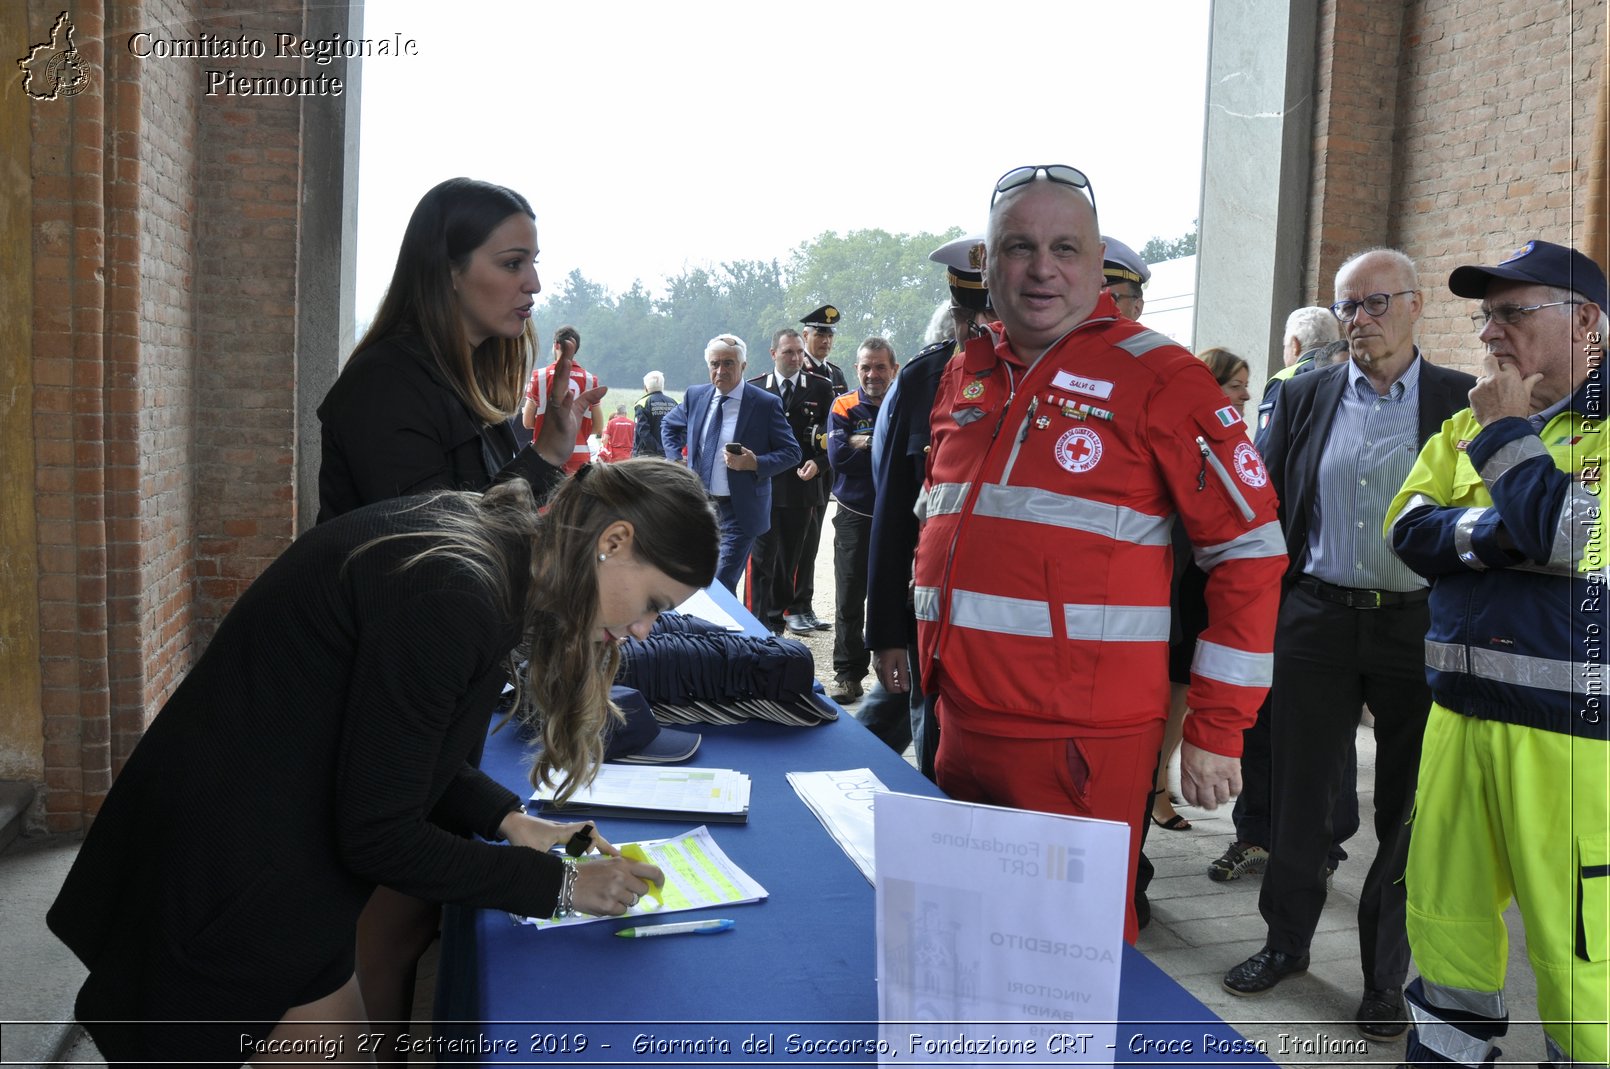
[
  {"x": 1252, "y": 805},
  {"x": 886, "y": 715},
  {"x": 778, "y": 569},
  {"x": 1329, "y": 661},
  {"x": 805, "y": 584},
  {"x": 852, "y": 541}
]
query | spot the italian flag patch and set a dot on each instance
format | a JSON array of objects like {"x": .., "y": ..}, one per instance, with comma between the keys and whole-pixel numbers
[{"x": 1228, "y": 416}]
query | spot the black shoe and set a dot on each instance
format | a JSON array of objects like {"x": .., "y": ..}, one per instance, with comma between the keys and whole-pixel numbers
[
  {"x": 845, "y": 690},
  {"x": 811, "y": 618},
  {"x": 1381, "y": 1015},
  {"x": 1263, "y": 971},
  {"x": 798, "y": 624}
]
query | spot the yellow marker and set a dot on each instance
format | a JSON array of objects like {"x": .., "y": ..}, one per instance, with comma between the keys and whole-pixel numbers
[{"x": 633, "y": 852}]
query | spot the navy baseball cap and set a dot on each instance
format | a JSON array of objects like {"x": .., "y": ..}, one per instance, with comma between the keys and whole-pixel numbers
[
  {"x": 641, "y": 740},
  {"x": 1542, "y": 262}
]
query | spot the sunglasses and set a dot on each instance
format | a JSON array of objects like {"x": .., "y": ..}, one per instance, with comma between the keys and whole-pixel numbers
[{"x": 1059, "y": 173}]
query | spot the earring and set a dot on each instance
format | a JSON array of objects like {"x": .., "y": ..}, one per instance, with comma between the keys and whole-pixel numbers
[{"x": 602, "y": 557}]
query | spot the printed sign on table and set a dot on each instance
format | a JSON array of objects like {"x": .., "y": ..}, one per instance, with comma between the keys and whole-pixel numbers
[{"x": 1000, "y": 933}]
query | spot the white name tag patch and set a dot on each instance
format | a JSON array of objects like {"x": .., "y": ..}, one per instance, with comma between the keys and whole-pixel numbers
[{"x": 1077, "y": 384}]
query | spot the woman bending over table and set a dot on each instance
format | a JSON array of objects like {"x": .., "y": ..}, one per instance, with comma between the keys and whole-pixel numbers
[{"x": 317, "y": 750}]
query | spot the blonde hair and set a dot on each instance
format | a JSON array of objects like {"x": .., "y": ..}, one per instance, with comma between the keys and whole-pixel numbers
[{"x": 1222, "y": 362}]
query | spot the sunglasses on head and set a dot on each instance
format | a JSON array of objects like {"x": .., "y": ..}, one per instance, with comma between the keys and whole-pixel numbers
[{"x": 1059, "y": 173}]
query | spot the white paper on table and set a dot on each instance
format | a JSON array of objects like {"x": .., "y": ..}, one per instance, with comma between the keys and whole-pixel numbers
[
  {"x": 661, "y": 788},
  {"x": 698, "y": 874},
  {"x": 842, "y": 801},
  {"x": 702, "y": 605},
  {"x": 998, "y": 925}
]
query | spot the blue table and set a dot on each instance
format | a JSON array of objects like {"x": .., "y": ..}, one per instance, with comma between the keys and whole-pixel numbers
[{"x": 803, "y": 962}]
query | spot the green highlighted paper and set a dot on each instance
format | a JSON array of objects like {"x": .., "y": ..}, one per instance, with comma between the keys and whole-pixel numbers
[{"x": 697, "y": 875}]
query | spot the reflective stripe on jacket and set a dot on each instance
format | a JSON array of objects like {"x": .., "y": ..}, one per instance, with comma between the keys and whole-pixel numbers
[
  {"x": 1043, "y": 567},
  {"x": 1506, "y": 524}
]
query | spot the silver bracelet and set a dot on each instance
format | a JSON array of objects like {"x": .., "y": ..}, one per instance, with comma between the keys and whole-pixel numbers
[{"x": 567, "y": 892}]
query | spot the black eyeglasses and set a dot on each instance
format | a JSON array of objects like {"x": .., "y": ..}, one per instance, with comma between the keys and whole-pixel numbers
[
  {"x": 1510, "y": 314},
  {"x": 1059, "y": 173},
  {"x": 1376, "y": 304}
]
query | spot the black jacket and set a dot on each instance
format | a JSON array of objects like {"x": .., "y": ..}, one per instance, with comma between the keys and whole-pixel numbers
[
  {"x": 807, "y": 417},
  {"x": 392, "y": 426},
  {"x": 1302, "y": 423}
]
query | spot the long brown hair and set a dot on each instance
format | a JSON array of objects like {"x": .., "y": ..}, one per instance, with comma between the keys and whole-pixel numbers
[
  {"x": 449, "y": 223},
  {"x": 564, "y": 687}
]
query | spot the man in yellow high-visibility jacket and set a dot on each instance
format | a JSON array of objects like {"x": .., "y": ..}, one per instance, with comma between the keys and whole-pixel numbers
[{"x": 1502, "y": 513}]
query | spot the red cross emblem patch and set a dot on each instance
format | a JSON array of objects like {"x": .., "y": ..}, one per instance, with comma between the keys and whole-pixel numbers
[
  {"x": 1249, "y": 466},
  {"x": 1079, "y": 450}
]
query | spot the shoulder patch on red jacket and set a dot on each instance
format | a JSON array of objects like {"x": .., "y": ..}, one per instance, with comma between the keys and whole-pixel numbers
[{"x": 1249, "y": 466}]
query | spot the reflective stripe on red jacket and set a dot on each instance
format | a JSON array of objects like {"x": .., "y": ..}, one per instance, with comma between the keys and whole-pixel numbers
[{"x": 1043, "y": 568}]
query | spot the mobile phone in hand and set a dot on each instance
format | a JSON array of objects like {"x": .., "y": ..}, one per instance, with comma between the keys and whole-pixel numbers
[{"x": 734, "y": 448}]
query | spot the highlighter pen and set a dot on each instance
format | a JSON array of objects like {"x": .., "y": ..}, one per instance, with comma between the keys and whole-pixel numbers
[
  {"x": 708, "y": 927},
  {"x": 634, "y": 852}
]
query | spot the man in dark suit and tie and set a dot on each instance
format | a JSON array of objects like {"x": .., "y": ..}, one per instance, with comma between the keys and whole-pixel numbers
[
  {"x": 779, "y": 592},
  {"x": 736, "y": 439},
  {"x": 1352, "y": 626}
]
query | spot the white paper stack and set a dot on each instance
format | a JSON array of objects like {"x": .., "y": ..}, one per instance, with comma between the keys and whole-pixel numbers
[
  {"x": 656, "y": 792},
  {"x": 842, "y": 801}
]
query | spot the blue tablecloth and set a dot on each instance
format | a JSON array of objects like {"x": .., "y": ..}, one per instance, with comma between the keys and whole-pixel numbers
[{"x": 801, "y": 962}]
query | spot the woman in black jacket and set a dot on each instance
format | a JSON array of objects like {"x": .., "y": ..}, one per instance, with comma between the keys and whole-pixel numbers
[
  {"x": 316, "y": 751},
  {"x": 424, "y": 400},
  {"x": 423, "y": 404}
]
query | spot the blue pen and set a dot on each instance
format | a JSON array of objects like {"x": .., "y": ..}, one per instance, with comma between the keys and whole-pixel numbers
[{"x": 708, "y": 927}]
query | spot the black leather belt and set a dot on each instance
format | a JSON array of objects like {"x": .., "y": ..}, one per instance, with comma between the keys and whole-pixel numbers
[{"x": 1358, "y": 597}]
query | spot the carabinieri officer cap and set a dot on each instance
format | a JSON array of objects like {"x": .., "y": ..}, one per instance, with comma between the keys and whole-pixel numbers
[{"x": 823, "y": 319}]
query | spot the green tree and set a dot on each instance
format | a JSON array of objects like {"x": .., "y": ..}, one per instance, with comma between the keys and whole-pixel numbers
[
  {"x": 882, "y": 283},
  {"x": 1157, "y": 250}
]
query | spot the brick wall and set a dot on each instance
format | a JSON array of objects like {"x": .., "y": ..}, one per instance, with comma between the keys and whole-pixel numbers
[
  {"x": 249, "y": 162},
  {"x": 153, "y": 547},
  {"x": 165, "y": 244},
  {"x": 1356, "y": 86},
  {"x": 70, "y": 297},
  {"x": 1454, "y": 130}
]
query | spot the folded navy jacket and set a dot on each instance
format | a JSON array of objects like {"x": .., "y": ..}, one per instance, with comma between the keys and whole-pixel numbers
[{"x": 694, "y": 671}]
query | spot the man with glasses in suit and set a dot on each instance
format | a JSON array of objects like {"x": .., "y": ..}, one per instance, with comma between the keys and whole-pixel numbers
[
  {"x": 1352, "y": 622},
  {"x": 736, "y": 438}
]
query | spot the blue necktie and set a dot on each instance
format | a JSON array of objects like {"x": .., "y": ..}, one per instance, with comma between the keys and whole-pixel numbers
[{"x": 712, "y": 443}]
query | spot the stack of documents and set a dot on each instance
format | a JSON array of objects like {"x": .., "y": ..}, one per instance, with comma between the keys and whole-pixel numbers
[{"x": 656, "y": 792}]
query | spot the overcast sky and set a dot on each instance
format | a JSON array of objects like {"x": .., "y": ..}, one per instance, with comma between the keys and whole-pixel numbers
[{"x": 652, "y": 137}]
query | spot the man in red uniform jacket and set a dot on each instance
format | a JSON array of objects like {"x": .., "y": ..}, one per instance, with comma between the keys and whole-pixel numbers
[
  {"x": 619, "y": 434},
  {"x": 1063, "y": 444}
]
